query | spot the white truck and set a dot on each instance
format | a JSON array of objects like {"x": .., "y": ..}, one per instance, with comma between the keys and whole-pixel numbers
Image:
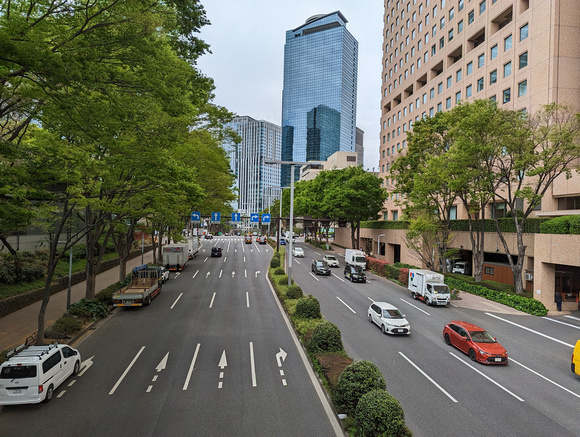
[
  {"x": 175, "y": 256},
  {"x": 355, "y": 257},
  {"x": 145, "y": 285},
  {"x": 193, "y": 242},
  {"x": 429, "y": 287}
]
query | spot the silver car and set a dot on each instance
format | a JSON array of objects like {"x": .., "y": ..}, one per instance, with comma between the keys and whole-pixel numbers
[
  {"x": 298, "y": 252},
  {"x": 331, "y": 260}
]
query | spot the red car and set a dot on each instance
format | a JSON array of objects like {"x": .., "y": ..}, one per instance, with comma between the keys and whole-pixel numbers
[{"x": 475, "y": 342}]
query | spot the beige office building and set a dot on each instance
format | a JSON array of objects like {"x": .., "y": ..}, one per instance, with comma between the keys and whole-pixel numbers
[{"x": 520, "y": 53}]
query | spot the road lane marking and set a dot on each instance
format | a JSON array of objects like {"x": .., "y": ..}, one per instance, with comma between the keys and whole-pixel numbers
[
  {"x": 415, "y": 306},
  {"x": 247, "y": 299},
  {"x": 174, "y": 303},
  {"x": 253, "y": 365},
  {"x": 296, "y": 261},
  {"x": 428, "y": 377},
  {"x": 344, "y": 303},
  {"x": 338, "y": 277},
  {"x": 206, "y": 258},
  {"x": 245, "y": 273},
  {"x": 572, "y": 317},
  {"x": 126, "y": 371},
  {"x": 212, "y": 298},
  {"x": 225, "y": 257},
  {"x": 487, "y": 377},
  {"x": 531, "y": 330},
  {"x": 311, "y": 274},
  {"x": 563, "y": 323},
  {"x": 193, "y": 277},
  {"x": 221, "y": 271},
  {"x": 543, "y": 377},
  {"x": 186, "y": 384},
  {"x": 61, "y": 394}
]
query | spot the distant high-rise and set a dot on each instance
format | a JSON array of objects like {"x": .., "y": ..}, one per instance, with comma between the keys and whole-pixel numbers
[
  {"x": 319, "y": 95},
  {"x": 260, "y": 141}
]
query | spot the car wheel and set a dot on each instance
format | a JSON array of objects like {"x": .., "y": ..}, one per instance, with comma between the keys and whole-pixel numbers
[
  {"x": 370, "y": 318},
  {"x": 49, "y": 394},
  {"x": 76, "y": 368},
  {"x": 447, "y": 339},
  {"x": 472, "y": 355},
  {"x": 414, "y": 295},
  {"x": 383, "y": 329},
  {"x": 147, "y": 301}
]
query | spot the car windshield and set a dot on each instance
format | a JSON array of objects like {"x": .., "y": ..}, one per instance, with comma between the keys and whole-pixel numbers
[
  {"x": 320, "y": 264},
  {"x": 359, "y": 259},
  {"x": 298, "y": 249},
  {"x": 481, "y": 337},
  {"x": 392, "y": 314},
  {"x": 330, "y": 257},
  {"x": 441, "y": 288}
]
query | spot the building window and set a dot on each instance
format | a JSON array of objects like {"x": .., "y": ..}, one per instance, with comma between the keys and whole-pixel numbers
[
  {"x": 457, "y": 97},
  {"x": 440, "y": 88},
  {"x": 395, "y": 216},
  {"x": 431, "y": 112},
  {"x": 482, "y": 7},
  {"x": 449, "y": 81},
  {"x": 507, "y": 95},
  {"x": 470, "y": 17},
  {"x": 460, "y": 26},
  {"x": 451, "y": 13},
  {"x": 441, "y": 43},
  {"x": 453, "y": 213},
  {"x": 458, "y": 75},
  {"x": 493, "y": 77},
  {"x": 433, "y": 50},
  {"x": 439, "y": 107},
  {"x": 507, "y": 43},
  {"x": 523, "y": 60},
  {"x": 448, "y": 103},
  {"x": 493, "y": 53},
  {"x": 460, "y": 6},
  {"x": 480, "y": 60},
  {"x": 489, "y": 271},
  {"x": 442, "y": 23},
  {"x": 432, "y": 93},
  {"x": 522, "y": 88},
  {"x": 450, "y": 34},
  {"x": 469, "y": 68},
  {"x": 507, "y": 69},
  {"x": 523, "y": 32},
  {"x": 480, "y": 84},
  {"x": 468, "y": 91}
]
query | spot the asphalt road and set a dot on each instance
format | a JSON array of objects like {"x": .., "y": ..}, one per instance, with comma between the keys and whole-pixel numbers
[
  {"x": 211, "y": 356},
  {"x": 443, "y": 392}
]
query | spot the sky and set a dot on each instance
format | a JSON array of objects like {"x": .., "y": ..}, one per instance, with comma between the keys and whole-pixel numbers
[{"x": 247, "y": 37}]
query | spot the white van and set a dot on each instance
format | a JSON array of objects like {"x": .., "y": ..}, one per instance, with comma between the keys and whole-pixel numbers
[{"x": 33, "y": 374}]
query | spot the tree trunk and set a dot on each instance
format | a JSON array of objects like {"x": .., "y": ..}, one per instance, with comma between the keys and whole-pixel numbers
[{"x": 16, "y": 258}]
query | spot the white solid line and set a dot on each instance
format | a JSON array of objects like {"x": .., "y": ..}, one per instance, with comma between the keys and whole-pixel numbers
[
  {"x": 195, "y": 274},
  {"x": 543, "y": 377},
  {"x": 531, "y": 330},
  {"x": 178, "y": 297},
  {"x": 191, "y": 368},
  {"x": 338, "y": 277},
  {"x": 372, "y": 300},
  {"x": 563, "y": 323},
  {"x": 344, "y": 303},
  {"x": 296, "y": 261},
  {"x": 253, "y": 365},
  {"x": 212, "y": 298},
  {"x": 247, "y": 300},
  {"x": 572, "y": 317},
  {"x": 126, "y": 371},
  {"x": 487, "y": 377},
  {"x": 428, "y": 377},
  {"x": 314, "y": 276},
  {"x": 415, "y": 306}
]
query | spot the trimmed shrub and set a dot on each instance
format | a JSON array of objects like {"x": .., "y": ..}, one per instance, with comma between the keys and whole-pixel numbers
[
  {"x": 67, "y": 325},
  {"x": 275, "y": 262},
  {"x": 392, "y": 272},
  {"x": 294, "y": 292},
  {"x": 308, "y": 307},
  {"x": 279, "y": 271},
  {"x": 404, "y": 276},
  {"x": 32, "y": 273},
  {"x": 356, "y": 380},
  {"x": 88, "y": 309},
  {"x": 325, "y": 338},
  {"x": 105, "y": 295},
  {"x": 379, "y": 414},
  {"x": 283, "y": 280}
]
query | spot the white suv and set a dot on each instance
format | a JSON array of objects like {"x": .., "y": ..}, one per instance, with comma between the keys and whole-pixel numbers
[
  {"x": 33, "y": 374},
  {"x": 331, "y": 260}
]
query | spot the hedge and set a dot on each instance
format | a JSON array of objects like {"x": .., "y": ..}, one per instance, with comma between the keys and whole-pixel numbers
[
  {"x": 379, "y": 414},
  {"x": 356, "y": 380}
]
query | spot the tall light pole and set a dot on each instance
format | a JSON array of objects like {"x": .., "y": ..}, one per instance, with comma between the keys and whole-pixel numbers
[
  {"x": 292, "y": 164},
  {"x": 379, "y": 245}
]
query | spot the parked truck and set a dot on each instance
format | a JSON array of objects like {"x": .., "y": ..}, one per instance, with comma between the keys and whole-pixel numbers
[
  {"x": 429, "y": 287},
  {"x": 175, "y": 256},
  {"x": 193, "y": 243},
  {"x": 145, "y": 285},
  {"x": 355, "y": 257}
]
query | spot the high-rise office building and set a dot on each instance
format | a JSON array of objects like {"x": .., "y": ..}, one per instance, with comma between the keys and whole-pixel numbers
[
  {"x": 319, "y": 95},
  {"x": 256, "y": 182}
]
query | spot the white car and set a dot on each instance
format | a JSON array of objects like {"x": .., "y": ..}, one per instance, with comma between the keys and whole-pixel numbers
[
  {"x": 388, "y": 318},
  {"x": 164, "y": 275},
  {"x": 298, "y": 252},
  {"x": 331, "y": 260}
]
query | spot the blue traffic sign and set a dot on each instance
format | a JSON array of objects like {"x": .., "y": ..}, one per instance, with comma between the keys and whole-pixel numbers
[
  {"x": 254, "y": 218},
  {"x": 265, "y": 219},
  {"x": 195, "y": 216},
  {"x": 236, "y": 217},
  {"x": 216, "y": 217}
]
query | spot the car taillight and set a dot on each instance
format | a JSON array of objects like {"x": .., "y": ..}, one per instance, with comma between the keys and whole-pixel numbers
[{"x": 40, "y": 389}]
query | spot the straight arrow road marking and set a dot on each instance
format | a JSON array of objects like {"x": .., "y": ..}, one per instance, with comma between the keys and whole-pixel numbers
[
  {"x": 163, "y": 364},
  {"x": 223, "y": 360},
  {"x": 85, "y": 365}
]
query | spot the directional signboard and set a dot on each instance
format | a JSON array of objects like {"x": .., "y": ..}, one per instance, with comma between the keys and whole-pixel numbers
[
  {"x": 236, "y": 217},
  {"x": 254, "y": 218},
  {"x": 196, "y": 216},
  {"x": 265, "y": 219},
  {"x": 216, "y": 217}
]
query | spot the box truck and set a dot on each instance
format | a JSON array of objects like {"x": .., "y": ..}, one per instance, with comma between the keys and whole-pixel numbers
[
  {"x": 175, "y": 256},
  {"x": 355, "y": 257},
  {"x": 429, "y": 287}
]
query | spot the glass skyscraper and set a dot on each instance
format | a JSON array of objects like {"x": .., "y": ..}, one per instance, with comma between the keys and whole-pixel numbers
[{"x": 319, "y": 96}]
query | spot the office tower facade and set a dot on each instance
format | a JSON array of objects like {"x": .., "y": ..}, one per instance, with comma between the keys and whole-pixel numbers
[
  {"x": 256, "y": 182},
  {"x": 319, "y": 95}
]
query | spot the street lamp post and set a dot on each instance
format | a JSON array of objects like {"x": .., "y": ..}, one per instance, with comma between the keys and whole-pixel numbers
[
  {"x": 292, "y": 164},
  {"x": 379, "y": 245}
]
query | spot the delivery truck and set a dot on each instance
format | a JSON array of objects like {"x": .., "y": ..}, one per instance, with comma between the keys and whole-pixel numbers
[
  {"x": 193, "y": 243},
  {"x": 175, "y": 256},
  {"x": 145, "y": 285},
  {"x": 355, "y": 257},
  {"x": 429, "y": 287}
]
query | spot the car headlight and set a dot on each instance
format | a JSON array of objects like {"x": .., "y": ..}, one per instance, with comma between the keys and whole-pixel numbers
[{"x": 483, "y": 352}]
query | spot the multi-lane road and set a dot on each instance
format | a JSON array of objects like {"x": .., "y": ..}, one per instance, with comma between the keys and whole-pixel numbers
[
  {"x": 212, "y": 355},
  {"x": 444, "y": 393}
]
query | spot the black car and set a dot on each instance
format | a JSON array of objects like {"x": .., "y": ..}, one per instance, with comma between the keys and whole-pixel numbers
[
  {"x": 320, "y": 267},
  {"x": 216, "y": 251},
  {"x": 354, "y": 273}
]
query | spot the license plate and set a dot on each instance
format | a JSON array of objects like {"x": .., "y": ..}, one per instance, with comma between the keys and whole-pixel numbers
[
  {"x": 397, "y": 330},
  {"x": 498, "y": 360},
  {"x": 16, "y": 391}
]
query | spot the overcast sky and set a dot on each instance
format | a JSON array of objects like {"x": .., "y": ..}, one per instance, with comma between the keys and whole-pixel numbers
[{"x": 247, "y": 61}]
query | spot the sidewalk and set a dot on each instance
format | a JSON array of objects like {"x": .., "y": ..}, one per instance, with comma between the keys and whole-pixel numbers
[{"x": 15, "y": 327}]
